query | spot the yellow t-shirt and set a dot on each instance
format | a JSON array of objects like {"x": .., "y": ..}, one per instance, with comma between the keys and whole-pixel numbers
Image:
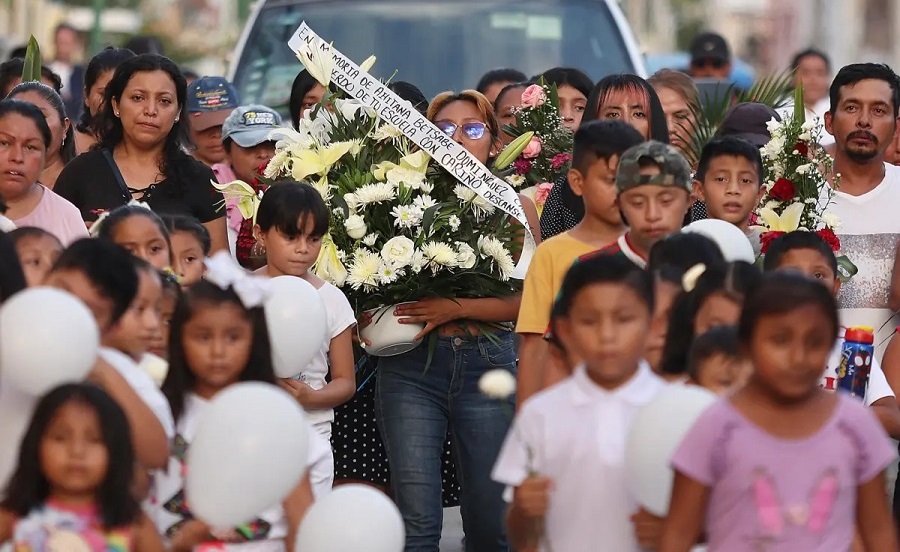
[{"x": 548, "y": 267}]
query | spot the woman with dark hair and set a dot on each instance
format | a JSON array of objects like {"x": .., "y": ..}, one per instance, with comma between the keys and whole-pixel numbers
[
  {"x": 26, "y": 138},
  {"x": 573, "y": 87},
  {"x": 140, "y": 155},
  {"x": 97, "y": 75},
  {"x": 11, "y": 75},
  {"x": 627, "y": 98},
  {"x": 306, "y": 92},
  {"x": 62, "y": 138}
]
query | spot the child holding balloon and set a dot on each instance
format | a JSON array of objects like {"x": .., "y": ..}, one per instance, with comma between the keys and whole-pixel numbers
[
  {"x": 71, "y": 489},
  {"x": 219, "y": 337},
  {"x": 291, "y": 221},
  {"x": 564, "y": 458},
  {"x": 781, "y": 464}
]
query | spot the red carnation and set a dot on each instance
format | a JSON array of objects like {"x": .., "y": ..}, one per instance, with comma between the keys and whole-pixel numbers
[
  {"x": 829, "y": 237},
  {"x": 766, "y": 239},
  {"x": 522, "y": 166},
  {"x": 783, "y": 190},
  {"x": 801, "y": 149},
  {"x": 559, "y": 161}
]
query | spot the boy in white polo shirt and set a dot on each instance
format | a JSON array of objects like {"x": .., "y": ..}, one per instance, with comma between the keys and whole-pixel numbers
[{"x": 564, "y": 458}]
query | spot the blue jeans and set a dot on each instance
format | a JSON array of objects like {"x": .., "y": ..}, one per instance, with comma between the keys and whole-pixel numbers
[{"x": 414, "y": 408}]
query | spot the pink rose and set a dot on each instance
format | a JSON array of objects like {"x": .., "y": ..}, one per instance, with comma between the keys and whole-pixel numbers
[
  {"x": 541, "y": 193},
  {"x": 533, "y": 149},
  {"x": 534, "y": 96}
]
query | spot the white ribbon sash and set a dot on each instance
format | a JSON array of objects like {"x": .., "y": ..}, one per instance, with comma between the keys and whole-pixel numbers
[{"x": 347, "y": 76}]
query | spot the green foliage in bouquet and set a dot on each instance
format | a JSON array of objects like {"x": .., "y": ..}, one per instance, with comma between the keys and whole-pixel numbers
[{"x": 31, "y": 72}]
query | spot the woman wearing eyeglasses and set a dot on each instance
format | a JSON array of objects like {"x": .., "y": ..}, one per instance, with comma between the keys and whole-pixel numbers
[{"x": 415, "y": 406}]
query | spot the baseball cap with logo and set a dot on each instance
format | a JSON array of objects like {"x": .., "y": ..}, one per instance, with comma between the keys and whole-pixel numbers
[
  {"x": 674, "y": 168},
  {"x": 209, "y": 102},
  {"x": 250, "y": 125},
  {"x": 710, "y": 46}
]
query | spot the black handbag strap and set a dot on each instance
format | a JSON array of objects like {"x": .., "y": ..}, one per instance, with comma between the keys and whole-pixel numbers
[{"x": 123, "y": 188}]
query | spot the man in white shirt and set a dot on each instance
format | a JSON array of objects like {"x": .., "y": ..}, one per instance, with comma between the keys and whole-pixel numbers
[{"x": 863, "y": 121}]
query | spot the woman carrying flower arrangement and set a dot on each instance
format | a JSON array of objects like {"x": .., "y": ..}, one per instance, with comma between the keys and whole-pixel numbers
[{"x": 419, "y": 397}]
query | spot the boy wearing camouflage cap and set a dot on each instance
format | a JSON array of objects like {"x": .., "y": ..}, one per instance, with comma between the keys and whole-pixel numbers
[{"x": 653, "y": 188}]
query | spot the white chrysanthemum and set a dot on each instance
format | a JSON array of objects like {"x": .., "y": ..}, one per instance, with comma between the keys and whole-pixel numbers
[
  {"x": 465, "y": 255},
  {"x": 424, "y": 202},
  {"x": 515, "y": 180},
  {"x": 804, "y": 169},
  {"x": 464, "y": 193},
  {"x": 805, "y": 136},
  {"x": 356, "y": 227},
  {"x": 398, "y": 251},
  {"x": 386, "y": 132},
  {"x": 388, "y": 274},
  {"x": 356, "y": 148},
  {"x": 831, "y": 220},
  {"x": 439, "y": 254},
  {"x": 365, "y": 270},
  {"x": 370, "y": 239},
  {"x": 407, "y": 216},
  {"x": 418, "y": 261},
  {"x": 493, "y": 248},
  {"x": 454, "y": 222},
  {"x": 809, "y": 124},
  {"x": 341, "y": 255},
  {"x": 426, "y": 187},
  {"x": 375, "y": 192}
]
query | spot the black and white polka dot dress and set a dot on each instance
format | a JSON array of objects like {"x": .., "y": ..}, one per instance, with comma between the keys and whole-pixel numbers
[{"x": 358, "y": 450}]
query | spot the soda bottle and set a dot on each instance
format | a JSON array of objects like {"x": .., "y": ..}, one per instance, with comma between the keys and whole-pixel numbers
[{"x": 857, "y": 355}]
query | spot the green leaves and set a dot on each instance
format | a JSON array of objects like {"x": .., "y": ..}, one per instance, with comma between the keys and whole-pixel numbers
[
  {"x": 773, "y": 91},
  {"x": 32, "y": 70}
]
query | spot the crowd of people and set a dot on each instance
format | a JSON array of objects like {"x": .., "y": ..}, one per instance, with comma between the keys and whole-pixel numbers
[{"x": 120, "y": 209}]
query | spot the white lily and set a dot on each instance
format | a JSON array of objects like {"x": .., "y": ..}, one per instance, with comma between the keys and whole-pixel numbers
[
  {"x": 787, "y": 221},
  {"x": 366, "y": 65},
  {"x": 319, "y": 61},
  {"x": 328, "y": 264},
  {"x": 247, "y": 198},
  {"x": 318, "y": 161}
]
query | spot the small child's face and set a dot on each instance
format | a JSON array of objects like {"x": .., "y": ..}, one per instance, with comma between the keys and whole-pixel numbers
[
  {"x": 716, "y": 310},
  {"x": 73, "y": 456},
  {"x": 598, "y": 188},
  {"x": 217, "y": 341},
  {"x": 37, "y": 254},
  {"x": 664, "y": 294},
  {"x": 721, "y": 373},
  {"x": 731, "y": 189},
  {"x": 288, "y": 256},
  {"x": 653, "y": 211},
  {"x": 143, "y": 238},
  {"x": 789, "y": 352},
  {"x": 607, "y": 328},
  {"x": 78, "y": 284},
  {"x": 811, "y": 264},
  {"x": 139, "y": 327},
  {"x": 188, "y": 254},
  {"x": 160, "y": 346}
]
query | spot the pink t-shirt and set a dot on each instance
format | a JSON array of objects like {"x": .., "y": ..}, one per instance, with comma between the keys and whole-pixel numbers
[
  {"x": 57, "y": 216},
  {"x": 781, "y": 495}
]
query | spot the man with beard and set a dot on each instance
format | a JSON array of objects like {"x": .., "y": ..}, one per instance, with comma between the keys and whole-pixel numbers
[{"x": 863, "y": 120}]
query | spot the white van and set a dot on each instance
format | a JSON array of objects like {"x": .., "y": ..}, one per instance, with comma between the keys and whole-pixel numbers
[{"x": 435, "y": 44}]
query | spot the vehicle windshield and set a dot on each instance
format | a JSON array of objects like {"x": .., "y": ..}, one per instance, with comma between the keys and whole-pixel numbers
[{"x": 436, "y": 45}]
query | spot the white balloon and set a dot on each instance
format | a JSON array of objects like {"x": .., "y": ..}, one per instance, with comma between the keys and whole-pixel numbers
[
  {"x": 16, "y": 408},
  {"x": 352, "y": 517},
  {"x": 297, "y": 323},
  {"x": 249, "y": 452},
  {"x": 655, "y": 434},
  {"x": 734, "y": 244},
  {"x": 47, "y": 338}
]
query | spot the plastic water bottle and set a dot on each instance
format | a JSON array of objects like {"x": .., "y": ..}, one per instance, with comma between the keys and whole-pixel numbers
[{"x": 857, "y": 355}]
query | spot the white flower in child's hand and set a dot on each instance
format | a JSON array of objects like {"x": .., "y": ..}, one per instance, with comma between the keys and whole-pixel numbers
[
  {"x": 497, "y": 384},
  {"x": 356, "y": 227}
]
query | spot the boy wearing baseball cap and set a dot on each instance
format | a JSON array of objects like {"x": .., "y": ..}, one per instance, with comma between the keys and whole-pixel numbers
[
  {"x": 654, "y": 191},
  {"x": 246, "y": 145},
  {"x": 210, "y": 100}
]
